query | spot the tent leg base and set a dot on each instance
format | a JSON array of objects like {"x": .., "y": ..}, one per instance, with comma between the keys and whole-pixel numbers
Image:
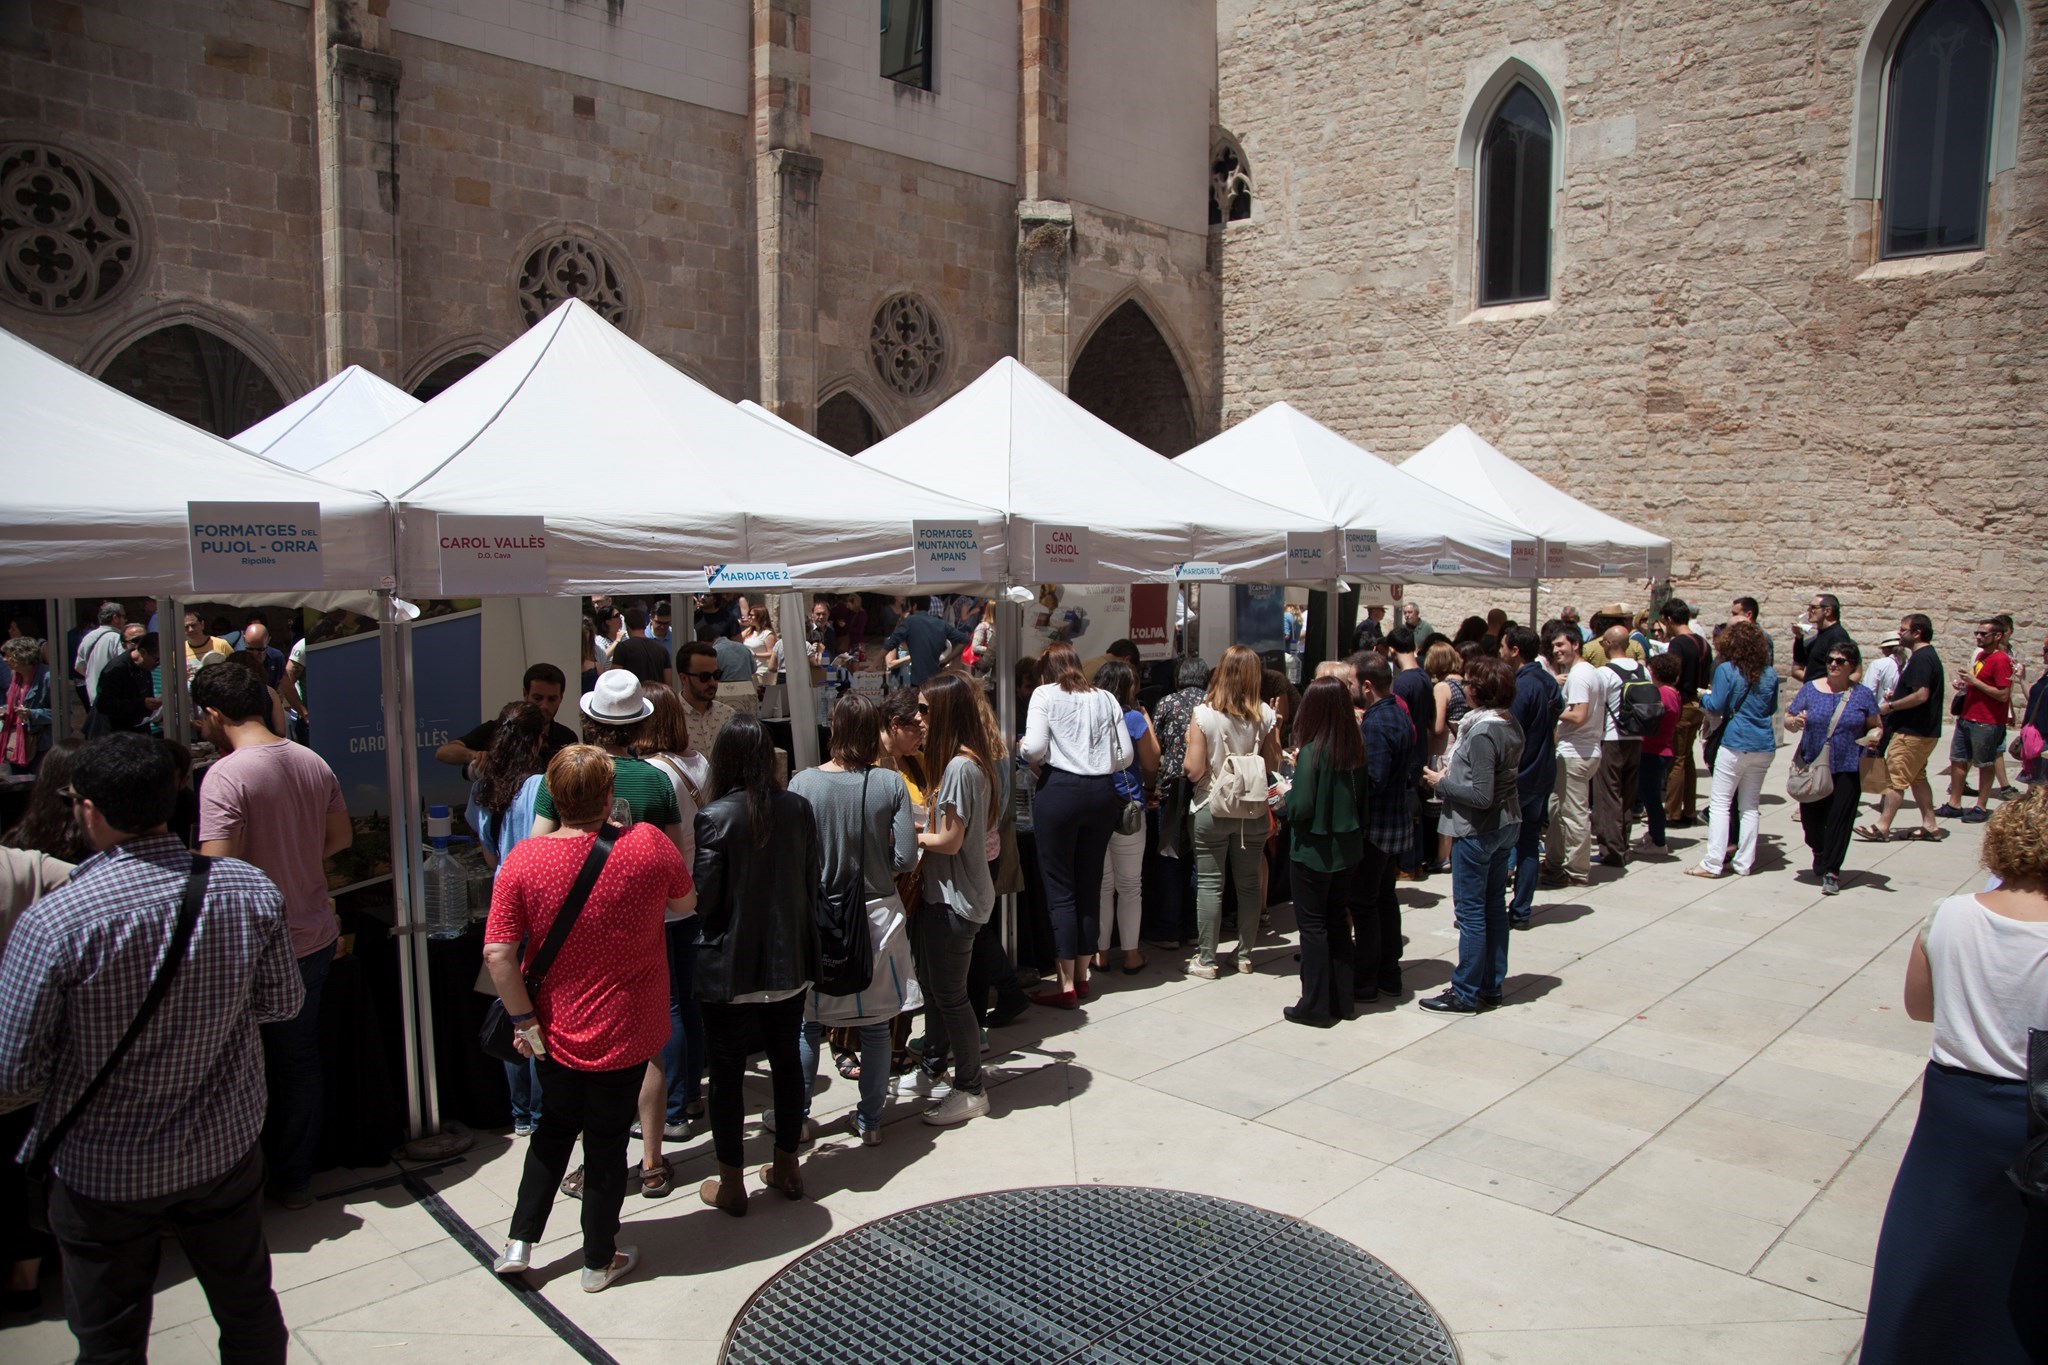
[{"x": 452, "y": 1140}]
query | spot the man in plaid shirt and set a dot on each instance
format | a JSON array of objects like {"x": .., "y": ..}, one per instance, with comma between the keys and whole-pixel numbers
[{"x": 171, "y": 1140}]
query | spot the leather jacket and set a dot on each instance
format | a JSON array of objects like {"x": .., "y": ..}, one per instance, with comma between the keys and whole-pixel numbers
[{"x": 756, "y": 902}]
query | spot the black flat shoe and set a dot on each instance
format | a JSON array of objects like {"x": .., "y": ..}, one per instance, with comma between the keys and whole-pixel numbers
[
  {"x": 1365, "y": 997},
  {"x": 1391, "y": 985},
  {"x": 1295, "y": 1015},
  {"x": 1521, "y": 923},
  {"x": 1449, "y": 1003},
  {"x": 1490, "y": 1002}
]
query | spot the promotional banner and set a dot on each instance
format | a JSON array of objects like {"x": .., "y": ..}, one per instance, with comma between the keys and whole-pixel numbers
[
  {"x": 493, "y": 556},
  {"x": 1061, "y": 554},
  {"x": 254, "y": 546},
  {"x": 1259, "y": 608},
  {"x": 1152, "y": 620},
  {"x": 1087, "y": 617},
  {"x": 945, "y": 551},
  {"x": 1308, "y": 555},
  {"x": 741, "y": 577}
]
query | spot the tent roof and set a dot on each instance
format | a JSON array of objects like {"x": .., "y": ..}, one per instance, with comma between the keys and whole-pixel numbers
[
  {"x": 1013, "y": 441},
  {"x": 644, "y": 475},
  {"x": 1423, "y": 534},
  {"x": 1579, "y": 541},
  {"x": 98, "y": 481},
  {"x": 345, "y": 411}
]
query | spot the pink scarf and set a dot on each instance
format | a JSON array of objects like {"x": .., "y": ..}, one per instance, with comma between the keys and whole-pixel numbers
[{"x": 14, "y": 747}]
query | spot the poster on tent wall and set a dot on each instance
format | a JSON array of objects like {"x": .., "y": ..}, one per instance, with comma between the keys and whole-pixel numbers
[
  {"x": 1151, "y": 620},
  {"x": 345, "y": 688},
  {"x": 1259, "y": 609},
  {"x": 1088, "y": 617}
]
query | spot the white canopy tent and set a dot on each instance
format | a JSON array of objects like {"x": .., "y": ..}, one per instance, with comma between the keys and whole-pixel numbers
[
  {"x": 98, "y": 485},
  {"x": 644, "y": 476},
  {"x": 345, "y": 411},
  {"x": 1576, "y": 540},
  {"x": 1089, "y": 504},
  {"x": 1412, "y": 532}
]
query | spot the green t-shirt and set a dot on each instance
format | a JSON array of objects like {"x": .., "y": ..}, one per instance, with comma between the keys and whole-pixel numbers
[{"x": 647, "y": 791}]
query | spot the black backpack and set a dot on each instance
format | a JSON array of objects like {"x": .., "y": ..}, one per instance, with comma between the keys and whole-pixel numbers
[
  {"x": 1639, "y": 707},
  {"x": 846, "y": 953}
]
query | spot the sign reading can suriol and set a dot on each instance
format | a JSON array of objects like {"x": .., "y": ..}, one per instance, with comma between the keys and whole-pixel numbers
[
  {"x": 237, "y": 546},
  {"x": 945, "y": 551},
  {"x": 1198, "y": 571},
  {"x": 1061, "y": 554},
  {"x": 1521, "y": 559},
  {"x": 1361, "y": 551},
  {"x": 1308, "y": 555},
  {"x": 734, "y": 577},
  {"x": 493, "y": 556}
]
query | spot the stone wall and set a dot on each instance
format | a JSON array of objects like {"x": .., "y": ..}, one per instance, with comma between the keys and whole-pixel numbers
[{"x": 1720, "y": 362}]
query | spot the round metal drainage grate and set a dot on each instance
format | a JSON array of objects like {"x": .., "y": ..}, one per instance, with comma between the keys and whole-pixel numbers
[{"x": 1106, "y": 1275}]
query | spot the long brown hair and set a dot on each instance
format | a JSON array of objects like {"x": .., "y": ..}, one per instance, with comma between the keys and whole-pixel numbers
[
  {"x": 1060, "y": 666},
  {"x": 667, "y": 731},
  {"x": 1327, "y": 719},
  {"x": 954, "y": 722},
  {"x": 513, "y": 757},
  {"x": 1234, "y": 686}
]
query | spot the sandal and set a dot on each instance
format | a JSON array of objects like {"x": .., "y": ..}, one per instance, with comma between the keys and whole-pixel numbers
[
  {"x": 657, "y": 1182},
  {"x": 1922, "y": 834},
  {"x": 572, "y": 1184},
  {"x": 847, "y": 1065},
  {"x": 1872, "y": 834},
  {"x": 1133, "y": 968}
]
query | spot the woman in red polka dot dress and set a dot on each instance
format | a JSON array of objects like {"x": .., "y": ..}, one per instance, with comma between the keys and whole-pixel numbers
[{"x": 602, "y": 1010}]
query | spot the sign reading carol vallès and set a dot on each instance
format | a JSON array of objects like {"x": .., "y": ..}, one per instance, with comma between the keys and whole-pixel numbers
[
  {"x": 1522, "y": 558},
  {"x": 945, "y": 551},
  {"x": 1308, "y": 555},
  {"x": 243, "y": 546},
  {"x": 493, "y": 556},
  {"x": 740, "y": 577},
  {"x": 1361, "y": 551},
  {"x": 1061, "y": 554}
]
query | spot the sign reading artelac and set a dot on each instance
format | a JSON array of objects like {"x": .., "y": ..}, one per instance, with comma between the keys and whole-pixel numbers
[
  {"x": 493, "y": 556},
  {"x": 736, "y": 577},
  {"x": 260, "y": 546}
]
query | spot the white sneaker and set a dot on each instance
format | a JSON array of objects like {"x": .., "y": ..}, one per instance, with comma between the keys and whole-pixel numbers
[
  {"x": 958, "y": 1107},
  {"x": 919, "y": 1084},
  {"x": 621, "y": 1266}
]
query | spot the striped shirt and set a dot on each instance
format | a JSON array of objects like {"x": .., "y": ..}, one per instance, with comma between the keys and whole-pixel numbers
[{"x": 187, "y": 1102}]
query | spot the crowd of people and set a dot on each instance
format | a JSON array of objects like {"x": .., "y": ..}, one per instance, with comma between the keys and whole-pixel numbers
[{"x": 667, "y": 902}]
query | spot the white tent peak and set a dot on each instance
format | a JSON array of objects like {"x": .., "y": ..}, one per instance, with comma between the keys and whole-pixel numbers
[
  {"x": 345, "y": 411},
  {"x": 1012, "y": 441}
]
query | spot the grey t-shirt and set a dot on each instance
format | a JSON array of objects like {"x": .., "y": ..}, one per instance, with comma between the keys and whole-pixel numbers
[
  {"x": 883, "y": 819},
  {"x": 961, "y": 881}
]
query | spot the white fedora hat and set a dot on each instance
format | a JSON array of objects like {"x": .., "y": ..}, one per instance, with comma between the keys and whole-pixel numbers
[{"x": 617, "y": 699}]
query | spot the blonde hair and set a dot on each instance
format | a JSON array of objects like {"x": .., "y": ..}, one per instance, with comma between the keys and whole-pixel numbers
[
  {"x": 1234, "y": 687},
  {"x": 1441, "y": 662},
  {"x": 2016, "y": 840},
  {"x": 580, "y": 782}
]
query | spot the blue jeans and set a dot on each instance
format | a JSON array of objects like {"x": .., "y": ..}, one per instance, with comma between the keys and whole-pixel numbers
[
  {"x": 1479, "y": 891},
  {"x": 298, "y": 1083},
  {"x": 874, "y": 1069},
  {"x": 682, "y": 1057},
  {"x": 524, "y": 1083},
  {"x": 1650, "y": 792},
  {"x": 1535, "y": 809}
]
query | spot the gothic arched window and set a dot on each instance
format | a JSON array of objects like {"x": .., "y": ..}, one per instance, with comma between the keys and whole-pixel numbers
[
  {"x": 1514, "y": 200},
  {"x": 1937, "y": 136}
]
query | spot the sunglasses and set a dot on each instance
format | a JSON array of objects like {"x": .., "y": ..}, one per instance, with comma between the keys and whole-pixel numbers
[
  {"x": 699, "y": 674},
  {"x": 1838, "y": 662},
  {"x": 923, "y": 709}
]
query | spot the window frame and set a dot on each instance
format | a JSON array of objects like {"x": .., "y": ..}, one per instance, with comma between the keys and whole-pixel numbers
[
  {"x": 928, "y": 12},
  {"x": 1887, "y": 95},
  {"x": 1482, "y": 200}
]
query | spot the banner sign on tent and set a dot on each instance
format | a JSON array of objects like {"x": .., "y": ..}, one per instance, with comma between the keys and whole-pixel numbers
[
  {"x": 1198, "y": 571},
  {"x": 1660, "y": 563},
  {"x": 945, "y": 551},
  {"x": 1061, "y": 554},
  {"x": 493, "y": 556},
  {"x": 1445, "y": 566},
  {"x": 1151, "y": 626},
  {"x": 738, "y": 577},
  {"x": 259, "y": 546},
  {"x": 1307, "y": 556},
  {"x": 1361, "y": 551},
  {"x": 1614, "y": 570},
  {"x": 1521, "y": 559},
  {"x": 1556, "y": 560}
]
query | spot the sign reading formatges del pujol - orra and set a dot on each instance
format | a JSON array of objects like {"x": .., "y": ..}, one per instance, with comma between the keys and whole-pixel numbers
[{"x": 254, "y": 546}]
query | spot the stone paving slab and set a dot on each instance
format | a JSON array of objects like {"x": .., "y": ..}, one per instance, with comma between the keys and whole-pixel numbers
[{"x": 1674, "y": 1144}]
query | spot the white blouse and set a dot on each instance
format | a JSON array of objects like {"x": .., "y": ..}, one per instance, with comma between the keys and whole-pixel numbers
[
  {"x": 1076, "y": 732},
  {"x": 1990, "y": 987}
]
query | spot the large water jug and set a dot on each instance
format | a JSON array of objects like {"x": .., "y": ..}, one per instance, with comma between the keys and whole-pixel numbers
[{"x": 444, "y": 899}]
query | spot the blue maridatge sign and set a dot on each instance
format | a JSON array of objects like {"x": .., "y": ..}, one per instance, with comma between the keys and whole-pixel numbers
[{"x": 254, "y": 546}]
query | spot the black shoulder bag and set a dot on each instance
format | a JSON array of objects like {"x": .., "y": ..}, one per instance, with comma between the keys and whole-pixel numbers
[
  {"x": 846, "y": 951},
  {"x": 2029, "y": 1171},
  {"x": 35, "y": 1172},
  {"x": 497, "y": 1032}
]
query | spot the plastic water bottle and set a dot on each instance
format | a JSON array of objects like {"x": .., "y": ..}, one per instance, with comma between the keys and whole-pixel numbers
[{"x": 444, "y": 901}]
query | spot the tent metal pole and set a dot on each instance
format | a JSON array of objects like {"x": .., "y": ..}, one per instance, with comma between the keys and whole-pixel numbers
[
  {"x": 408, "y": 727},
  {"x": 796, "y": 670},
  {"x": 1009, "y": 623},
  {"x": 175, "y": 715},
  {"x": 1534, "y": 605},
  {"x": 1333, "y": 623},
  {"x": 63, "y": 698},
  {"x": 408, "y": 926}
]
